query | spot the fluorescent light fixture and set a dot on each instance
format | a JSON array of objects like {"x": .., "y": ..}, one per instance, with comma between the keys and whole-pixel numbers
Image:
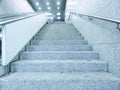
[
  {"x": 49, "y": 13},
  {"x": 48, "y": 3},
  {"x": 58, "y": 8},
  {"x": 39, "y": 8},
  {"x": 58, "y": 3},
  {"x": 58, "y": 13},
  {"x": 49, "y": 8},
  {"x": 37, "y": 3},
  {"x": 59, "y": 18}
]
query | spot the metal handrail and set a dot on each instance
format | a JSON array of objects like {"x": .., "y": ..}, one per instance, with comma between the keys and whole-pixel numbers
[
  {"x": 97, "y": 17},
  {"x": 13, "y": 14},
  {"x": 2, "y": 23}
]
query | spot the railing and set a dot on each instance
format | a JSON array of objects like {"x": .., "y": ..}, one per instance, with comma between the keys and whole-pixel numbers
[
  {"x": 13, "y": 15},
  {"x": 14, "y": 34},
  {"x": 5, "y": 19},
  {"x": 9, "y": 18},
  {"x": 90, "y": 17}
]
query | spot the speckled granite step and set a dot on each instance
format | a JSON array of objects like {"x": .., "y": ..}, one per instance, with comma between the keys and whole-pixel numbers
[
  {"x": 76, "y": 37},
  {"x": 59, "y": 66},
  {"x": 59, "y": 42},
  {"x": 59, "y": 81},
  {"x": 59, "y": 55},
  {"x": 59, "y": 48}
]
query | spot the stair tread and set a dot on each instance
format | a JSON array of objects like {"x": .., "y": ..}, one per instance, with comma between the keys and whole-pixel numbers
[
  {"x": 59, "y": 66},
  {"x": 59, "y": 52},
  {"x": 75, "y": 35},
  {"x": 59, "y": 61},
  {"x": 40, "y": 76},
  {"x": 58, "y": 40},
  {"x": 63, "y": 42},
  {"x": 60, "y": 45},
  {"x": 59, "y": 48}
]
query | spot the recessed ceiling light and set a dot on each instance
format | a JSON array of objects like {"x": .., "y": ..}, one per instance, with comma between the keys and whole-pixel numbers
[
  {"x": 37, "y": 3},
  {"x": 58, "y": 8},
  {"x": 39, "y": 8},
  {"x": 59, "y": 18},
  {"x": 49, "y": 8},
  {"x": 48, "y": 3},
  {"x": 58, "y": 13},
  {"x": 49, "y": 14},
  {"x": 58, "y": 3}
]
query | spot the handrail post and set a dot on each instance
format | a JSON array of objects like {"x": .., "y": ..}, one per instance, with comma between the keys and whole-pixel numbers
[
  {"x": 69, "y": 16},
  {"x": 1, "y": 27},
  {"x": 90, "y": 18},
  {"x": 79, "y": 15},
  {"x": 118, "y": 26}
]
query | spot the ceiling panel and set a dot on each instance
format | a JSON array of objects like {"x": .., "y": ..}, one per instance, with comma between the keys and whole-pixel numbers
[{"x": 41, "y": 6}]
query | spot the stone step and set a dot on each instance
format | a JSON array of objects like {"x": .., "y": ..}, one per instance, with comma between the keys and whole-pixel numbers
[
  {"x": 59, "y": 55},
  {"x": 59, "y": 48},
  {"x": 60, "y": 81},
  {"x": 47, "y": 33},
  {"x": 59, "y": 66},
  {"x": 76, "y": 37},
  {"x": 59, "y": 42}
]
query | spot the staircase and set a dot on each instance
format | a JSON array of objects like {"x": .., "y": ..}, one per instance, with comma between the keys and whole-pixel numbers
[{"x": 59, "y": 59}]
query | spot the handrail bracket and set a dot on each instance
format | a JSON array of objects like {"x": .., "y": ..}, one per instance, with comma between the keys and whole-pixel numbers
[
  {"x": 90, "y": 18},
  {"x": 118, "y": 26}
]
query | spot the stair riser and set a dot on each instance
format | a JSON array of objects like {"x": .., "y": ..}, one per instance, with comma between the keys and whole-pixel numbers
[
  {"x": 59, "y": 56},
  {"x": 63, "y": 34},
  {"x": 60, "y": 85},
  {"x": 76, "y": 32},
  {"x": 59, "y": 67},
  {"x": 60, "y": 38},
  {"x": 38, "y": 42},
  {"x": 59, "y": 48}
]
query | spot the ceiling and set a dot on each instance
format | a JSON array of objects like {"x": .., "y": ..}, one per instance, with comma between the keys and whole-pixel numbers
[{"x": 51, "y": 6}]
